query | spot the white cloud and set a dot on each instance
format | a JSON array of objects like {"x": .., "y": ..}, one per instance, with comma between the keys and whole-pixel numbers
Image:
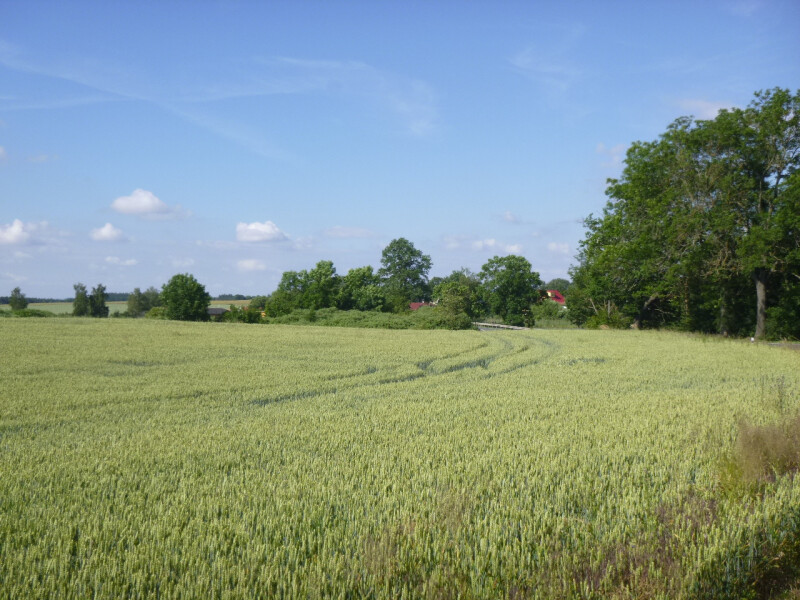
[
  {"x": 303, "y": 243},
  {"x": 613, "y": 154},
  {"x": 510, "y": 217},
  {"x": 16, "y": 233},
  {"x": 484, "y": 244},
  {"x": 259, "y": 232},
  {"x": 702, "y": 109},
  {"x": 143, "y": 203},
  {"x": 558, "y": 247},
  {"x": 251, "y": 264},
  {"x": 454, "y": 242},
  {"x": 114, "y": 260},
  {"x": 492, "y": 244},
  {"x": 182, "y": 262},
  {"x": 107, "y": 233},
  {"x": 22, "y": 255},
  {"x": 348, "y": 232},
  {"x": 3, "y": 154}
]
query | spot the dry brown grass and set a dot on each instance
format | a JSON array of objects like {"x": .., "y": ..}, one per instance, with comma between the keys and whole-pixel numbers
[{"x": 762, "y": 454}]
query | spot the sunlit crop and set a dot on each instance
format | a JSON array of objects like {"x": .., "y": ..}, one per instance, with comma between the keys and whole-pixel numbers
[{"x": 162, "y": 459}]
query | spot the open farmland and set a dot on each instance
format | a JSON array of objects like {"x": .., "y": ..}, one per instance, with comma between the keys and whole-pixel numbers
[{"x": 151, "y": 458}]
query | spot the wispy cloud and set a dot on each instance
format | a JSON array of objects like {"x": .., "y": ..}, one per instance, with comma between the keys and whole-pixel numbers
[
  {"x": 555, "y": 73},
  {"x": 702, "y": 109},
  {"x": 259, "y": 232},
  {"x": 558, "y": 248},
  {"x": 743, "y": 8},
  {"x": 413, "y": 102},
  {"x": 550, "y": 65},
  {"x": 3, "y": 153},
  {"x": 613, "y": 155},
  {"x": 42, "y": 158},
  {"x": 115, "y": 260},
  {"x": 461, "y": 242},
  {"x": 251, "y": 264},
  {"x": 340, "y": 232},
  {"x": 107, "y": 233}
]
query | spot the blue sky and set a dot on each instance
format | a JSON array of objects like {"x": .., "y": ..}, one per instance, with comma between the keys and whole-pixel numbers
[{"x": 236, "y": 140}]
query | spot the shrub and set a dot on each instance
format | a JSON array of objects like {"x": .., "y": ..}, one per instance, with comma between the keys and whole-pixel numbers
[
  {"x": 157, "y": 312},
  {"x": 762, "y": 454},
  {"x": 32, "y": 312}
]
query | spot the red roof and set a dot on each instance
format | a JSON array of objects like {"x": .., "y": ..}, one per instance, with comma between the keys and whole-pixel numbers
[
  {"x": 417, "y": 305},
  {"x": 556, "y": 296}
]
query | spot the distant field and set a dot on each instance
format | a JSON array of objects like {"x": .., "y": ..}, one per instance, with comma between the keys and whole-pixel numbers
[
  {"x": 65, "y": 308},
  {"x": 153, "y": 458}
]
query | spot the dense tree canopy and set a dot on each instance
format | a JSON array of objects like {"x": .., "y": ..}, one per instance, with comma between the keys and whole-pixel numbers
[
  {"x": 512, "y": 287},
  {"x": 404, "y": 273},
  {"x": 97, "y": 301},
  {"x": 185, "y": 299},
  {"x": 702, "y": 230},
  {"x": 140, "y": 302},
  {"x": 80, "y": 305},
  {"x": 361, "y": 289}
]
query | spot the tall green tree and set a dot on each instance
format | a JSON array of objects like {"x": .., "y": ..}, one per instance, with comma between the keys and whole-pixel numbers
[
  {"x": 80, "y": 305},
  {"x": 708, "y": 207},
  {"x": 17, "y": 300},
  {"x": 512, "y": 286},
  {"x": 404, "y": 273},
  {"x": 467, "y": 291},
  {"x": 289, "y": 295},
  {"x": 361, "y": 289},
  {"x": 152, "y": 298},
  {"x": 97, "y": 301},
  {"x": 137, "y": 303},
  {"x": 322, "y": 286},
  {"x": 185, "y": 299},
  {"x": 760, "y": 147}
]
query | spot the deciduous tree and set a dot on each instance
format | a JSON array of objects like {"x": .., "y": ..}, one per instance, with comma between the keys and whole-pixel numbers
[
  {"x": 97, "y": 301},
  {"x": 404, "y": 273},
  {"x": 17, "y": 300},
  {"x": 80, "y": 305},
  {"x": 185, "y": 299},
  {"x": 512, "y": 286}
]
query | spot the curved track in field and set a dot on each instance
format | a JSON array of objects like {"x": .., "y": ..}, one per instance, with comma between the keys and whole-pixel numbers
[{"x": 499, "y": 354}]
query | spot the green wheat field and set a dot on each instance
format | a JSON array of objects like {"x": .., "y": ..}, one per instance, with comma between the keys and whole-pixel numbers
[{"x": 156, "y": 459}]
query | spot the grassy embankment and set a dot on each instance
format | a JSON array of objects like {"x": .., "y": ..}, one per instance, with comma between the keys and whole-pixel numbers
[{"x": 143, "y": 457}]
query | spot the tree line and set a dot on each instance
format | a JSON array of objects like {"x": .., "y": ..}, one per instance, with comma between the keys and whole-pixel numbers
[
  {"x": 702, "y": 230},
  {"x": 506, "y": 287}
]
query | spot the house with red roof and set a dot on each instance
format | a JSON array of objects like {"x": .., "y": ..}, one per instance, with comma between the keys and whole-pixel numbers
[
  {"x": 557, "y": 297},
  {"x": 418, "y": 305}
]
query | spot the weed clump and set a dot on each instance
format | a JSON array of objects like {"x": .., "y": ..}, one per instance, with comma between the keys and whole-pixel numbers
[{"x": 762, "y": 454}]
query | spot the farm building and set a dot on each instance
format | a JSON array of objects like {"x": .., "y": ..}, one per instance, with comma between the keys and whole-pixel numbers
[
  {"x": 556, "y": 296},
  {"x": 418, "y": 305},
  {"x": 215, "y": 313}
]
